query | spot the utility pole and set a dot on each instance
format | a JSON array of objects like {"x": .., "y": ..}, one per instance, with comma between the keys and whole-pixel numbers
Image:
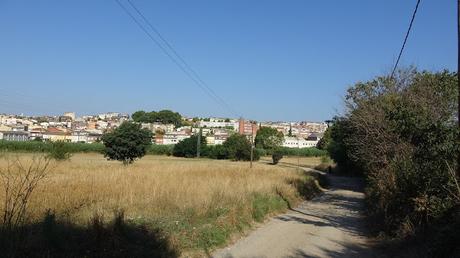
[
  {"x": 298, "y": 154},
  {"x": 198, "y": 143}
]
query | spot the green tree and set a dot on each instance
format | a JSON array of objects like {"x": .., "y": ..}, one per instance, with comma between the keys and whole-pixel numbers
[
  {"x": 169, "y": 117},
  {"x": 187, "y": 148},
  {"x": 324, "y": 142},
  {"x": 268, "y": 138},
  {"x": 127, "y": 143},
  {"x": 139, "y": 116},
  {"x": 401, "y": 134},
  {"x": 217, "y": 152},
  {"x": 162, "y": 116},
  {"x": 239, "y": 148}
]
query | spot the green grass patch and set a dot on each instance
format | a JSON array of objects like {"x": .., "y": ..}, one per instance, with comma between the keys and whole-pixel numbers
[{"x": 262, "y": 205}]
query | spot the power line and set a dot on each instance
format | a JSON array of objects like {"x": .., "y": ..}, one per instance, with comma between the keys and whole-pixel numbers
[
  {"x": 405, "y": 39},
  {"x": 184, "y": 67},
  {"x": 170, "y": 47}
]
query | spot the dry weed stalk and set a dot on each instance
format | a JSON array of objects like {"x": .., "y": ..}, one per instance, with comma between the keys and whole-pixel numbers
[{"x": 18, "y": 180}]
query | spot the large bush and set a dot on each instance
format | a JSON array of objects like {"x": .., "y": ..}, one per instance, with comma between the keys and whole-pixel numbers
[
  {"x": 127, "y": 143},
  {"x": 217, "y": 152},
  {"x": 401, "y": 133},
  {"x": 59, "y": 151},
  {"x": 276, "y": 156},
  {"x": 160, "y": 149},
  {"x": 188, "y": 147},
  {"x": 239, "y": 148}
]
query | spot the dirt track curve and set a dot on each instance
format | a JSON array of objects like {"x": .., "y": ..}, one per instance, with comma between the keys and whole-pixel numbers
[{"x": 330, "y": 225}]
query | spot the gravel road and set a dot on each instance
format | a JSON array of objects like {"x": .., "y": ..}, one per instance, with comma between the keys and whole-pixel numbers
[{"x": 330, "y": 225}]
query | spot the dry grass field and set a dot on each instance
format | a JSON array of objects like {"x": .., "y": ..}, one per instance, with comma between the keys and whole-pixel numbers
[{"x": 197, "y": 203}]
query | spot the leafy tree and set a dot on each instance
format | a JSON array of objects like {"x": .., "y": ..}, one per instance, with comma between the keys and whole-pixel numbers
[
  {"x": 324, "y": 142},
  {"x": 127, "y": 143},
  {"x": 187, "y": 147},
  {"x": 268, "y": 138},
  {"x": 217, "y": 152},
  {"x": 139, "y": 116},
  {"x": 227, "y": 120},
  {"x": 169, "y": 117},
  {"x": 163, "y": 116},
  {"x": 239, "y": 148},
  {"x": 401, "y": 134}
]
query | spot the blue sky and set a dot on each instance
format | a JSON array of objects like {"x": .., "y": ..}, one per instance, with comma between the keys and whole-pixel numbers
[{"x": 269, "y": 60}]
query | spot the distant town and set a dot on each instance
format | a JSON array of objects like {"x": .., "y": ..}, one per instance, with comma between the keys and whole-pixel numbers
[{"x": 69, "y": 127}]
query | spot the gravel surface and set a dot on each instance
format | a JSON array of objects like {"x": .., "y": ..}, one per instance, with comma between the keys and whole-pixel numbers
[{"x": 330, "y": 225}]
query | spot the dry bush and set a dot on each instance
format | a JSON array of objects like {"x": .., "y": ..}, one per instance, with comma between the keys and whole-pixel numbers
[{"x": 18, "y": 180}]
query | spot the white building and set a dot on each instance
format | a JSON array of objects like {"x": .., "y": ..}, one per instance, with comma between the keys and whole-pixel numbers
[
  {"x": 297, "y": 142},
  {"x": 170, "y": 138},
  {"x": 18, "y": 136},
  {"x": 216, "y": 139},
  {"x": 219, "y": 124},
  {"x": 109, "y": 115},
  {"x": 70, "y": 114}
]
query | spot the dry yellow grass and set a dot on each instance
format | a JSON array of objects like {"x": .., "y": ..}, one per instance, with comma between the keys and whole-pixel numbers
[
  {"x": 198, "y": 203},
  {"x": 156, "y": 187}
]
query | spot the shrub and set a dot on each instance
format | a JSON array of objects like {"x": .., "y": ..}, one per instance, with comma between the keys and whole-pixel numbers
[
  {"x": 217, "y": 152},
  {"x": 160, "y": 149},
  {"x": 276, "y": 156},
  {"x": 239, "y": 148},
  {"x": 59, "y": 151},
  {"x": 260, "y": 152},
  {"x": 187, "y": 148}
]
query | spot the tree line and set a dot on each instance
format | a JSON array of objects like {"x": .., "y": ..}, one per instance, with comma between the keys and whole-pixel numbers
[{"x": 162, "y": 116}]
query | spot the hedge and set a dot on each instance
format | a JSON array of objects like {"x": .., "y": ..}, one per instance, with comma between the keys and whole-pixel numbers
[{"x": 36, "y": 146}]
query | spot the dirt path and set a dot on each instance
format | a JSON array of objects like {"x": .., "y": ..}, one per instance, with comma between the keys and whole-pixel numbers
[{"x": 330, "y": 225}]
